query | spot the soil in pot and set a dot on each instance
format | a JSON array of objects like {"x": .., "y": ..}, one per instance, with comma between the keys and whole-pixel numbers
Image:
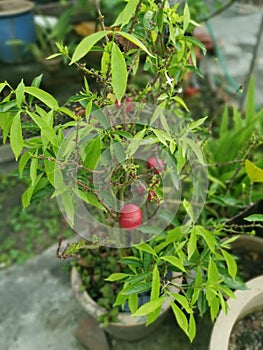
[{"x": 247, "y": 333}]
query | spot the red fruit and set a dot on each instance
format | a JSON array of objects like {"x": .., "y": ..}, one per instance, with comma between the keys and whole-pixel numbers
[
  {"x": 140, "y": 190},
  {"x": 130, "y": 217},
  {"x": 128, "y": 104},
  {"x": 117, "y": 104},
  {"x": 157, "y": 164}
]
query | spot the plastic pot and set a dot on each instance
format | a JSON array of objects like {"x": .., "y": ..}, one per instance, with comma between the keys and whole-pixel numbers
[{"x": 17, "y": 29}]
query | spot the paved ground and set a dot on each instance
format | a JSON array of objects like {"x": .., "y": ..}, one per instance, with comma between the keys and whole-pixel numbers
[{"x": 38, "y": 311}]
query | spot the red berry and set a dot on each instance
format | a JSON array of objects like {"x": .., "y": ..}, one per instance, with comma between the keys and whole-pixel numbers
[
  {"x": 130, "y": 217},
  {"x": 157, "y": 164},
  {"x": 140, "y": 190},
  {"x": 117, "y": 104},
  {"x": 128, "y": 104}
]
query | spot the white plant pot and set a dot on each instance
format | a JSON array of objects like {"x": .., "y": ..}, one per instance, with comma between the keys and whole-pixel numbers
[
  {"x": 128, "y": 327},
  {"x": 246, "y": 301}
]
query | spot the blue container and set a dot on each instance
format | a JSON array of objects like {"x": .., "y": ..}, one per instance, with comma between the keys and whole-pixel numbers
[{"x": 17, "y": 30}]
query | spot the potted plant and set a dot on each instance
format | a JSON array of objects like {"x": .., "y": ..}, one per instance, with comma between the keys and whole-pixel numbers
[{"x": 125, "y": 161}]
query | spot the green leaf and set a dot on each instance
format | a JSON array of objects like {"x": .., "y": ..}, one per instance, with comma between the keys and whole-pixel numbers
[
  {"x": 43, "y": 96},
  {"x": 68, "y": 207},
  {"x": 254, "y": 173},
  {"x": 212, "y": 274},
  {"x": 23, "y": 161},
  {"x": 33, "y": 169},
  {"x": 149, "y": 307},
  {"x": 87, "y": 44},
  {"x": 180, "y": 317},
  {"x": 207, "y": 236},
  {"x": 136, "y": 142},
  {"x": 133, "y": 302},
  {"x": 192, "y": 328},
  {"x": 46, "y": 130},
  {"x": 116, "y": 277},
  {"x": 16, "y": 137},
  {"x": 191, "y": 245},
  {"x": 231, "y": 263},
  {"x": 146, "y": 248},
  {"x": 186, "y": 17},
  {"x": 174, "y": 261},
  {"x": 20, "y": 93},
  {"x": 90, "y": 199},
  {"x": 92, "y": 153},
  {"x": 254, "y": 217},
  {"x": 126, "y": 14},
  {"x": 135, "y": 41},
  {"x": 119, "y": 72},
  {"x": 106, "y": 59},
  {"x": 155, "y": 291}
]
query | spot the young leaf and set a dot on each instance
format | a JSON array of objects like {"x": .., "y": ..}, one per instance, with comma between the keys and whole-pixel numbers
[
  {"x": 192, "y": 328},
  {"x": 254, "y": 217},
  {"x": 186, "y": 17},
  {"x": 87, "y": 44},
  {"x": 20, "y": 93},
  {"x": 180, "y": 317},
  {"x": 116, "y": 277},
  {"x": 254, "y": 173},
  {"x": 16, "y": 137},
  {"x": 126, "y": 14},
  {"x": 174, "y": 261},
  {"x": 155, "y": 291},
  {"x": 133, "y": 302},
  {"x": 43, "y": 96},
  {"x": 231, "y": 263},
  {"x": 119, "y": 72},
  {"x": 135, "y": 41},
  {"x": 149, "y": 307}
]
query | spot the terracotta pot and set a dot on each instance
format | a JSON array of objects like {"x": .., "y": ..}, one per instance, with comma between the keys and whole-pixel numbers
[
  {"x": 128, "y": 327},
  {"x": 246, "y": 301}
]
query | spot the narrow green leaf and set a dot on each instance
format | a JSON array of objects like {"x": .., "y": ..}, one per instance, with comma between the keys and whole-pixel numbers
[
  {"x": 68, "y": 207},
  {"x": 231, "y": 263},
  {"x": 254, "y": 217},
  {"x": 16, "y": 137},
  {"x": 119, "y": 72},
  {"x": 20, "y": 93},
  {"x": 135, "y": 41},
  {"x": 212, "y": 275},
  {"x": 23, "y": 162},
  {"x": 116, "y": 277},
  {"x": 174, "y": 261},
  {"x": 192, "y": 328},
  {"x": 90, "y": 199},
  {"x": 191, "y": 245},
  {"x": 136, "y": 142},
  {"x": 146, "y": 248},
  {"x": 33, "y": 169},
  {"x": 126, "y": 14},
  {"x": 42, "y": 96},
  {"x": 155, "y": 291},
  {"x": 149, "y": 307},
  {"x": 91, "y": 153},
  {"x": 186, "y": 17},
  {"x": 87, "y": 44},
  {"x": 133, "y": 302},
  {"x": 207, "y": 236},
  {"x": 46, "y": 130},
  {"x": 180, "y": 317}
]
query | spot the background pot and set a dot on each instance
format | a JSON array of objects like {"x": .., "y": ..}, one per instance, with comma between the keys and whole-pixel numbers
[
  {"x": 246, "y": 301},
  {"x": 17, "y": 29},
  {"x": 128, "y": 327}
]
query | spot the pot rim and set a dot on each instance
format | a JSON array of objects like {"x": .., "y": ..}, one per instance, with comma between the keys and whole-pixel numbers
[
  {"x": 13, "y": 7},
  {"x": 125, "y": 318}
]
